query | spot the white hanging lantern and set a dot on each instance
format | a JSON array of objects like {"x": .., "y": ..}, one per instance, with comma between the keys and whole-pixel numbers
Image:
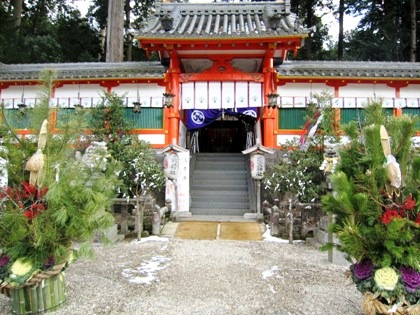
[{"x": 257, "y": 165}]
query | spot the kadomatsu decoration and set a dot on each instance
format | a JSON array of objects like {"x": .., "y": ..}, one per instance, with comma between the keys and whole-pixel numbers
[
  {"x": 51, "y": 200},
  {"x": 375, "y": 206}
]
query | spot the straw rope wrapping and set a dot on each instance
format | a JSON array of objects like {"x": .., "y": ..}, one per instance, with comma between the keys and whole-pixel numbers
[
  {"x": 6, "y": 286},
  {"x": 372, "y": 306}
]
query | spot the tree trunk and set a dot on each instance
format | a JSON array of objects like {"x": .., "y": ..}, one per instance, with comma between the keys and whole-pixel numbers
[
  {"x": 413, "y": 48},
  {"x": 309, "y": 23},
  {"x": 17, "y": 16},
  {"x": 115, "y": 33},
  {"x": 129, "y": 37},
  {"x": 139, "y": 216},
  {"x": 340, "y": 49},
  {"x": 290, "y": 215}
]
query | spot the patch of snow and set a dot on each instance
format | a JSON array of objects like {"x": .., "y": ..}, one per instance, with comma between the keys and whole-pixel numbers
[
  {"x": 150, "y": 239},
  {"x": 267, "y": 237},
  {"x": 146, "y": 273},
  {"x": 270, "y": 273}
]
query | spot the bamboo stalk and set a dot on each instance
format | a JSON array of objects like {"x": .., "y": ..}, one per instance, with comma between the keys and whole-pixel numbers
[
  {"x": 45, "y": 293},
  {"x": 22, "y": 302},
  {"x": 34, "y": 299},
  {"x": 48, "y": 295},
  {"x": 40, "y": 299}
]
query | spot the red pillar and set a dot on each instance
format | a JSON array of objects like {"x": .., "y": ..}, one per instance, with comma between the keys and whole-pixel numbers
[
  {"x": 172, "y": 86},
  {"x": 268, "y": 116}
]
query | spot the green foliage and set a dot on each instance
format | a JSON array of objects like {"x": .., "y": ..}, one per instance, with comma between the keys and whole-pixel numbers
[
  {"x": 297, "y": 173},
  {"x": 141, "y": 173},
  {"x": 363, "y": 205},
  {"x": 107, "y": 119},
  {"x": 71, "y": 202}
]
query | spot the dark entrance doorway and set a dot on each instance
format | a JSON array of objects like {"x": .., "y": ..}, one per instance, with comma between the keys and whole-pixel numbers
[{"x": 223, "y": 136}]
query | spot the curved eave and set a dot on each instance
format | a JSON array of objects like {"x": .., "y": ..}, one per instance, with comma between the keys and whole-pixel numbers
[
  {"x": 342, "y": 80},
  {"x": 84, "y": 72},
  {"x": 203, "y": 39},
  {"x": 111, "y": 81}
]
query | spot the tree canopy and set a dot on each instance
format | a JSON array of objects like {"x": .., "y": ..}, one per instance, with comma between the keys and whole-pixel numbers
[{"x": 40, "y": 31}]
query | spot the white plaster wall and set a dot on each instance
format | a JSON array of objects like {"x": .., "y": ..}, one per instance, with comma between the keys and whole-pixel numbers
[
  {"x": 412, "y": 91},
  {"x": 82, "y": 90},
  {"x": 182, "y": 135},
  {"x": 144, "y": 90},
  {"x": 153, "y": 138},
  {"x": 149, "y": 94},
  {"x": 283, "y": 139},
  {"x": 304, "y": 89},
  {"x": 29, "y": 91},
  {"x": 367, "y": 90}
]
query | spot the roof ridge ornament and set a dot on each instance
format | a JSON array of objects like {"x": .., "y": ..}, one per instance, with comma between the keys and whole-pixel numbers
[
  {"x": 274, "y": 21},
  {"x": 167, "y": 22}
]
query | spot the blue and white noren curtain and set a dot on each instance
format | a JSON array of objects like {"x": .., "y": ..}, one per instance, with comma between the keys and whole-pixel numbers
[{"x": 199, "y": 118}]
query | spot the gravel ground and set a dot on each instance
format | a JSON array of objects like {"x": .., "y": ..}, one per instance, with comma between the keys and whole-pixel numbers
[{"x": 185, "y": 277}]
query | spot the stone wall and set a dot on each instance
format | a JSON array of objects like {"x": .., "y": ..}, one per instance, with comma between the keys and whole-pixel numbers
[
  {"x": 305, "y": 218},
  {"x": 125, "y": 216}
]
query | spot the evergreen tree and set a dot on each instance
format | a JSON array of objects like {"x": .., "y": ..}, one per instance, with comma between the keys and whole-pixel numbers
[
  {"x": 377, "y": 216},
  {"x": 141, "y": 174},
  {"x": 52, "y": 198}
]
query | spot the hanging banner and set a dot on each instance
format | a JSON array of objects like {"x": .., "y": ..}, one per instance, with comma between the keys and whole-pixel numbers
[
  {"x": 228, "y": 94},
  {"x": 187, "y": 95},
  {"x": 197, "y": 118},
  {"x": 215, "y": 95},
  {"x": 241, "y": 93},
  {"x": 255, "y": 94},
  {"x": 201, "y": 97}
]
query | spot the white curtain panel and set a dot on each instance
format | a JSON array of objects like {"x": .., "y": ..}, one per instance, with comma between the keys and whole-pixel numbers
[
  {"x": 187, "y": 95},
  {"x": 228, "y": 94},
  {"x": 201, "y": 95},
  {"x": 241, "y": 94},
  {"x": 255, "y": 94},
  {"x": 215, "y": 95}
]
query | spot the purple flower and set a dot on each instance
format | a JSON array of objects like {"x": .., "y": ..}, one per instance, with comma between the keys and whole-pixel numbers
[
  {"x": 4, "y": 260},
  {"x": 411, "y": 278},
  {"x": 50, "y": 262},
  {"x": 363, "y": 270}
]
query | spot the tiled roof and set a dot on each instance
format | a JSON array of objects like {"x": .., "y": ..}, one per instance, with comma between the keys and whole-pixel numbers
[
  {"x": 222, "y": 20},
  {"x": 91, "y": 70},
  {"x": 358, "y": 69},
  {"x": 138, "y": 70}
]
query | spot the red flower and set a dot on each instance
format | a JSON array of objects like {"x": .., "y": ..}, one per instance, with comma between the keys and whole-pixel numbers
[
  {"x": 29, "y": 190},
  {"x": 35, "y": 209},
  {"x": 389, "y": 215},
  {"x": 409, "y": 203},
  {"x": 417, "y": 220},
  {"x": 42, "y": 192},
  {"x": 29, "y": 214}
]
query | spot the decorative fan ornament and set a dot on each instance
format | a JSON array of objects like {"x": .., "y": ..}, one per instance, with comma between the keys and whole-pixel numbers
[
  {"x": 35, "y": 164},
  {"x": 392, "y": 167}
]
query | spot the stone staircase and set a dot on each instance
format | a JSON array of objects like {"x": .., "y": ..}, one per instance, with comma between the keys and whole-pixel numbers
[{"x": 219, "y": 185}]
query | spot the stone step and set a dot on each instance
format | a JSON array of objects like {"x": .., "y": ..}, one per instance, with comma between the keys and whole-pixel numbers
[
  {"x": 216, "y": 182},
  {"x": 237, "y": 174},
  {"x": 219, "y": 166},
  {"x": 219, "y": 205},
  {"x": 221, "y": 194},
  {"x": 221, "y": 186},
  {"x": 219, "y": 199},
  {"x": 225, "y": 212}
]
